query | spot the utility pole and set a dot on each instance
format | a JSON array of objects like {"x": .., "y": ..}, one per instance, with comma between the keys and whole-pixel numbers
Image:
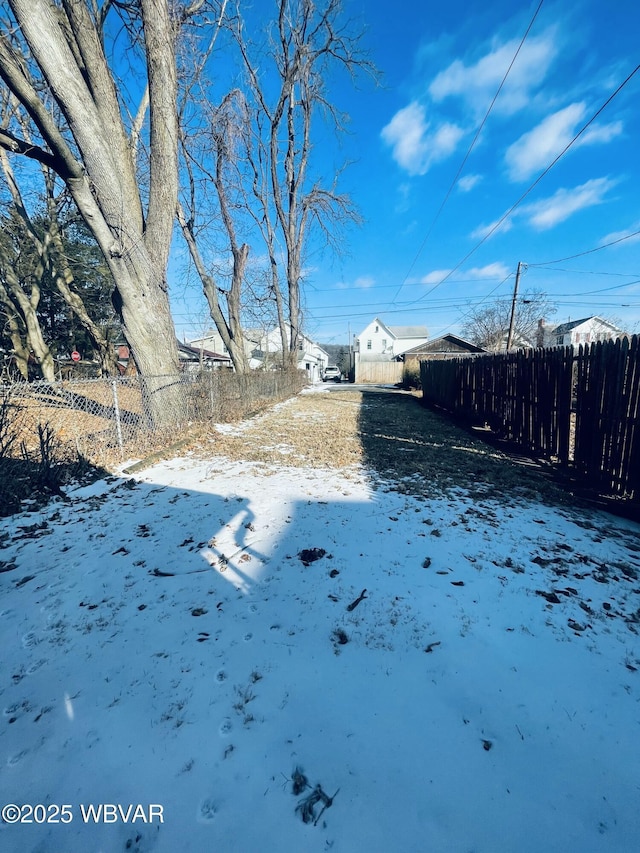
[{"x": 512, "y": 321}]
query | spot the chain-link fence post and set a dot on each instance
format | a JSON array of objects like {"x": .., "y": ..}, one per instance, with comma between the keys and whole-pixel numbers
[{"x": 116, "y": 409}]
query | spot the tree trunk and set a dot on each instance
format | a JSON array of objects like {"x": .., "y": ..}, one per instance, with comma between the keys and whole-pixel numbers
[
  {"x": 135, "y": 241},
  {"x": 230, "y": 332},
  {"x": 20, "y": 348},
  {"x": 27, "y": 307}
]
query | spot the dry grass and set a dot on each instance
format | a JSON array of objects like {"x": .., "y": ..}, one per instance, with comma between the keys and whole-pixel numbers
[
  {"x": 400, "y": 444},
  {"x": 317, "y": 430}
]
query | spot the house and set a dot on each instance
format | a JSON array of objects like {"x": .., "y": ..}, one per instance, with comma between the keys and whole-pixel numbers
[
  {"x": 447, "y": 346},
  {"x": 589, "y": 330},
  {"x": 191, "y": 358},
  {"x": 198, "y": 358},
  {"x": 312, "y": 358},
  {"x": 380, "y": 342},
  {"x": 377, "y": 349},
  {"x": 263, "y": 348},
  {"x": 267, "y": 352}
]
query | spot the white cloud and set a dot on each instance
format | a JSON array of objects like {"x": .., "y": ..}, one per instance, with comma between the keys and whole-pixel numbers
[
  {"x": 490, "y": 271},
  {"x": 492, "y": 228},
  {"x": 477, "y": 83},
  {"x": 405, "y": 134},
  {"x": 495, "y": 270},
  {"x": 601, "y": 133},
  {"x": 548, "y": 212},
  {"x": 364, "y": 282},
  {"x": 468, "y": 182},
  {"x": 434, "y": 277},
  {"x": 623, "y": 235},
  {"x": 415, "y": 145},
  {"x": 537, "y": 148}
]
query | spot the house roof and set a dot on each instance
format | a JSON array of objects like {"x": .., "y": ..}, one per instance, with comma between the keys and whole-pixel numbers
[
  {"x": 409, "y": 331},
  {"x": 399, "y": 331},
  {"x": 563, "y": 328},
  {"x": 446, "y": 343},
  {"x": 196, "y": 352}
]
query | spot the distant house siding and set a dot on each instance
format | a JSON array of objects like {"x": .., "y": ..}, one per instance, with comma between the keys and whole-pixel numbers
[{"x": 583, "y": 332}]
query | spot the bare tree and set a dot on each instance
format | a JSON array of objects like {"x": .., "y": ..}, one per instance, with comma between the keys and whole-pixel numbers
[
  {"x": 15, "y": 331},
  {"x": 52, "y": 266},
  {"x": 308, "y": 41},
  {"x": 20, "y": 303},
  {"x": 53, "y": 55},
  {"x": 488, "y": 326},
  {"x": 217, "y": 157}
]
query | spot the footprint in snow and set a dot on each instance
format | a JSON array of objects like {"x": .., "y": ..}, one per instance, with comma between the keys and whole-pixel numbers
[
  {"x": 36, "y": 666},
  {"x": 30, "y": 640},
  {"x": 221, "y": 675},
  {"x": 207, "y": 811},
  {"x": 142, "y": 841},
  {"x": 15, "y": 708},
  {"x": 16, "y": 758},
  {"x": 226, "y": 727}
]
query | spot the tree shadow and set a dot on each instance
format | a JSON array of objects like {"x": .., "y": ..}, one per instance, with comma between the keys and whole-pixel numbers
[{"x": 423, "y": 452}]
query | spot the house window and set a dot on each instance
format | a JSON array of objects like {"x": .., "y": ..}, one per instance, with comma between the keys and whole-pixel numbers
[
  {"x": 377, "y": 329},
  {"x": 384, "y": 343},
  {"x": 368, "y": 344},
  {"x": 559, "y": 340}
]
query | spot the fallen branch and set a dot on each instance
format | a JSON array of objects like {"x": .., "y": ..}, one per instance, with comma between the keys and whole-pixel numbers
[{"x": 355, "y": 603}]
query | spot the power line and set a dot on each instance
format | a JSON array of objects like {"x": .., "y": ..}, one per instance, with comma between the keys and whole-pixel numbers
[
  {"x": 605, "y": 289},
  {"x": 470, "y": 149},
  {"x": 506, "y": 215},
  {"x": 584, "y": 272},
  {"x": 474, "y": 302},
  {"x": 588, "y": 251}
]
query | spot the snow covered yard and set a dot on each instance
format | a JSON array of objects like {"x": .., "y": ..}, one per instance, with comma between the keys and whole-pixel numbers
[{"x": 290, "y": 656}]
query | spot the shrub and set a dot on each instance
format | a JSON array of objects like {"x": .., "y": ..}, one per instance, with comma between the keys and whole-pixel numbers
[{"x": 411, "y": 376}]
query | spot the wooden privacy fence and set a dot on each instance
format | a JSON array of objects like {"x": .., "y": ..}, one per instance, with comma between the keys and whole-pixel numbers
[
  {"x": 577, "y": 407},
  {"x": 379, "y": 372}
]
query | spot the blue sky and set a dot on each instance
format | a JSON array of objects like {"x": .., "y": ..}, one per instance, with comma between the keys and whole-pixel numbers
[{"x": 431, "y": 249}]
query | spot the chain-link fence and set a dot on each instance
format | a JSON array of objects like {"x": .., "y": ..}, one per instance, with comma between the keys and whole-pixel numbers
[{"x": 108, "y": 420}]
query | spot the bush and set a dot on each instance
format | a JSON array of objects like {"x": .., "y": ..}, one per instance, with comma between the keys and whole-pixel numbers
[{"x": 411, "y": 376}]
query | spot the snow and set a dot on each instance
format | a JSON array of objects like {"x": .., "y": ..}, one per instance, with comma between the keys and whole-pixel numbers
[{"x": 163, "y": 643}]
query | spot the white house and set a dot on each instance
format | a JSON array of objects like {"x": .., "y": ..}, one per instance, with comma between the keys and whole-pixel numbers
[
  {"x": 377, "y": 348},
  {"x": 263, "y": 348},
  {"x": 379, "y": 342},
  {"x": 589, "y": 330},
  {"x": 268, "y": 350}
]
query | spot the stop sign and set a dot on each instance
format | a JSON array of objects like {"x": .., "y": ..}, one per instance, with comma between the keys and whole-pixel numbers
[{"x": 75, "y": 355}]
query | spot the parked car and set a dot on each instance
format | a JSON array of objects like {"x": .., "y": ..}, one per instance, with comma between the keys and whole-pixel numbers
[{"x": 332, "y": 374}]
